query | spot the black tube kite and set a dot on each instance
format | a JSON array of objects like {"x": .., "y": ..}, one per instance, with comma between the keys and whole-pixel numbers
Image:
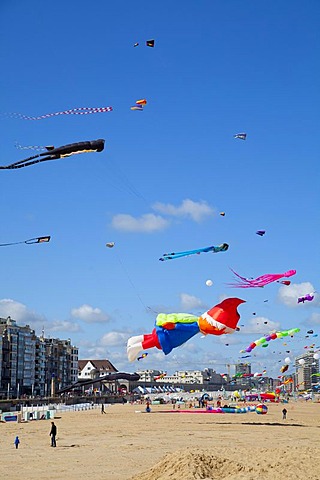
[
  {"x": 31, "y": 241},
  {"x": 56, "y": 153},
  {"x": 110, "y": 377}
]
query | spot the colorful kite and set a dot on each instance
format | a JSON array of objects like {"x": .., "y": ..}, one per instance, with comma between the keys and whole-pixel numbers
[
  {"x": 260, "y": 281},
  {"x": 260, "y": 232},
  {"x": 144, "y": 355},
  {"x": 170, "y": 256},
  {"x": 242, "y": 136},
  {"x": 60, "y": 152},
  {"x": 73, "y": 111},
  {"x": 139, "y": 105},
  {"x": 263, "y": 341},
  {"x": 306, "y": 298},
  {"x": 150, "y": 43},
  {"x": 174, "y": 329},
  {"x": 284, "y": 282},
  {"x": 31, "y": 241}
]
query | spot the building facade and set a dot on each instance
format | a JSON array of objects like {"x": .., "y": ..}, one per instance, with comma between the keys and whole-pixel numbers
[{"x": 32, "y": 365}]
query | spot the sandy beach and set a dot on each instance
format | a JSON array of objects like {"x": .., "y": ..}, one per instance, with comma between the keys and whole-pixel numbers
[{"x": 127, "y": 443}]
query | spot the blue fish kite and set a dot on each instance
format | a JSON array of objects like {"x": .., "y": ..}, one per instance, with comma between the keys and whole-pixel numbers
[{"x": 170, "y": 256}]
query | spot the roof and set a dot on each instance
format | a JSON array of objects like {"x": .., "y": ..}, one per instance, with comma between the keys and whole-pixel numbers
[{"x": 101, "y": 365}]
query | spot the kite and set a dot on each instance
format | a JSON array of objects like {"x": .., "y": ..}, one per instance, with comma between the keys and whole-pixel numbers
[
  {"x": 310, "y": 331},
  {"x": 306, "y": 298},
  {"x": 170, "y": 256},
  {"x": 263, "y": 341},
  {"x": 150, "y": 43},
  {"x": 109, "y": 377},
  {"x": 284, "y": 368},
  {"x": 260, "y": 232},
  {"x": 73, "y": 111},
  {"x": 144, "y": 355},
  {"x": 174, "y": 329},
  {"x": 260, "y": 281},
  {"x": 139, "y": 105},
  {"x": 222, "y": 214},
  {"x": 136, "y": 44},
  {"x": 284, "y": 282},
  {"x": 60, "y": 152},
  {"x": 110, "y": 244},
  {"x": 209, "y": 283},
  {"x": 242, "y": 136},
  {"x": 158, "y": 377},
  {"x": 31, "y": 241}
]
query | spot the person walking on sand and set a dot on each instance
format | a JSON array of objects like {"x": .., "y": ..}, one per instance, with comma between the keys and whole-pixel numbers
[
  {"x": 284, "y": 414},
  {"x": 102, "y": 408},
  {"x": 17, "y": 441},
  {"x": 53, "y": 434}
]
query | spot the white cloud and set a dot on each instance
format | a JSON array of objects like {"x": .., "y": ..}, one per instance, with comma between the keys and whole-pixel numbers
[
  {"x": 90, "y": 314},
  {"x": 257, "y": 325},
  {"x": 197, "y": 211},
  {"x": 148, "y": 223},
  {"x": 190, "y": 302},
  {"x": 289, "y": 294},
  {"x": 314, "y": 319},
  {"x": 113, "y": 339},
  {"x": 21, "y": 314},
  {"x": 63, "y": 326}
]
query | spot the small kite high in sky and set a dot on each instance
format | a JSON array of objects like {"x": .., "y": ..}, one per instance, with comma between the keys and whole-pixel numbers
[
  {"x": 60, "y": 152},
  {"x": 306, "y": 298},
  {"x": 139, "y": 105},
  {"x": 260, "y": 232},
  {"x": 242, "y": 136},
  {"x": 73, "y": 111},
  {"x": 31, "y": 241},
  {"x": 150, "y": 43},
  {"x": 170, "y": 256},
  {"x": 259, "y": 281},
  {"x": 174, "y": 329}
]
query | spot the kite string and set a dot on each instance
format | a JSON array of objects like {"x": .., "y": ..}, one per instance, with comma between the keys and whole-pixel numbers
[{"x": 133, "y": 286}]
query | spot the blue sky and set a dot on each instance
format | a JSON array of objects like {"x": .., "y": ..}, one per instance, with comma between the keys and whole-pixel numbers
[{"x": 217, "y": 69}]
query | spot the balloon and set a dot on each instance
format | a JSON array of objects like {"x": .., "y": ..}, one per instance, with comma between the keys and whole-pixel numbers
[{"x": 209, "y": 283}]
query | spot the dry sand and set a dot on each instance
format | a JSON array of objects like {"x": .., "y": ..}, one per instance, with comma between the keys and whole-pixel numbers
[{"x": 129, "y": 444}]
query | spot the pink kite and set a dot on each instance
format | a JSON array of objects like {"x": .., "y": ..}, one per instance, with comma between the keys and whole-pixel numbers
[{"x": 260, "y": 281}]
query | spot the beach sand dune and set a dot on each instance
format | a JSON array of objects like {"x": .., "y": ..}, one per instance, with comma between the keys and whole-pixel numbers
[{"x": 129, "y": 444}]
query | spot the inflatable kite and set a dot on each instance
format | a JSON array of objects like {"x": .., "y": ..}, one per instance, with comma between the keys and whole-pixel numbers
[
  {"x": 306, "y": 298},
  {"x": 170, "y": 256},
  {"x": 31, "y": 241},
  {"x": 272, "y": 336},
  {"x": 60, "y": 152},
  {"x": 259, "y": 281},
  {"x": 109, "y": 377},
  {"x": 73, "y": 111},
  {"x": 174, "y": 329},
  {"x": 242, "y": 136}
]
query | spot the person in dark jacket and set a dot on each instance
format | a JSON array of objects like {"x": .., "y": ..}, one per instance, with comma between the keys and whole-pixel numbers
[{"x": 53, "y": 434}]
